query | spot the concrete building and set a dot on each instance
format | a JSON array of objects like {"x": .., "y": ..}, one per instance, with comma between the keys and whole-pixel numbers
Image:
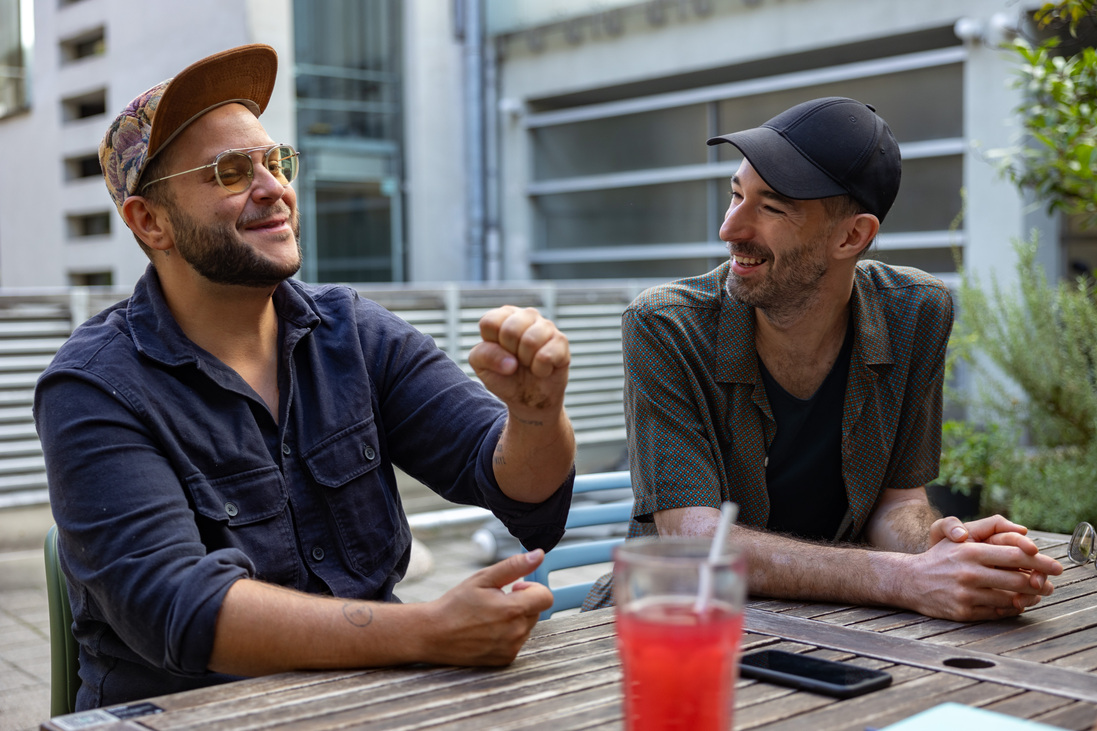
[
  {"x": 605, "y": 107},
  {"x": 510, "y": 140},
  {"x": 71, "y": 65},
  {"x": 514, "y": 139}
]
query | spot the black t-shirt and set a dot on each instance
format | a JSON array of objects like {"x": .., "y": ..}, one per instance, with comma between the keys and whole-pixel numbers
[{"x": 807, "y": 494}]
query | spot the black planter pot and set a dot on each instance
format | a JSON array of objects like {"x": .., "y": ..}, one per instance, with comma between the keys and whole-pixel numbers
[{"x": 964, "y": 507}]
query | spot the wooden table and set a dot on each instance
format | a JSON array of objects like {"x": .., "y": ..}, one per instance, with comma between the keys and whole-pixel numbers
[{"x": 1040, "y": 666}]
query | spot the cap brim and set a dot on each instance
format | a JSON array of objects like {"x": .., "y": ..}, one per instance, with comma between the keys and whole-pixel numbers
[
  {"x": 245, "y": 74},
  {"x": 781, "y": 165}
]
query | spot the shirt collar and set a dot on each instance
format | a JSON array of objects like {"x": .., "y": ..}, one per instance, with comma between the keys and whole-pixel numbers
[
  {"x": 872, "y": 338},
  {"x": 158, "y": 336},
  {"x": 736, "y": 356}
]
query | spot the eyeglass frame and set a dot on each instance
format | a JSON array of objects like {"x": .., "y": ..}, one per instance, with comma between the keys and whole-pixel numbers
[
  {"x": 1082, "y": 532},
  {"x": 246, "y": 152}
]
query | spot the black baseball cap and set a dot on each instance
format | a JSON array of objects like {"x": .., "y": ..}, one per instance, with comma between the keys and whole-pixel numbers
[{"x": 825, "y": 147}]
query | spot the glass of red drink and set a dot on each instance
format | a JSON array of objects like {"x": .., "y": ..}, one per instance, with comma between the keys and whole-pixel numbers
[{"x": 679, "y": 653}]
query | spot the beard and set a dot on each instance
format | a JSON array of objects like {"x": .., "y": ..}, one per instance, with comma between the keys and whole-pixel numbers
[
  {"x": 216, "y": 252},
  {"x": 791, "y": 285}
]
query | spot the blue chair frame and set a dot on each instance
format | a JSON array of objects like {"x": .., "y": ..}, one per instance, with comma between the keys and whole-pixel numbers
[
  {"x": 587, "y": 552},
  {"x": 64, "y": 650}
]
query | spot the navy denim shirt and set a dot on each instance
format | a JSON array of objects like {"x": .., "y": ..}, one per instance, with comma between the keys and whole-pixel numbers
[{"x": 170, "y": 479}]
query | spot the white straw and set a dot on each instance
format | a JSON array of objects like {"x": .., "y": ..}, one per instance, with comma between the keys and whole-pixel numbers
[{"x": 728, "y": 512}]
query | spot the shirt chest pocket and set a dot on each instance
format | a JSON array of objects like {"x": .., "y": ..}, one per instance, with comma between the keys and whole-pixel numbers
[
  {"x": 364, "y": 504},
  {"x": 249, "y": 512}
]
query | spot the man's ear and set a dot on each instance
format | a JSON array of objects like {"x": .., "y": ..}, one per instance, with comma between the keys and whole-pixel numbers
[
  {"x": 149, "y": 221},
  {"x": 860, "y": 231}
]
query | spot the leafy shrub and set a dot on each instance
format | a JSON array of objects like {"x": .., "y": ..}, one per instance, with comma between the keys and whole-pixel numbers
[{"x": 1043, "y": 340}]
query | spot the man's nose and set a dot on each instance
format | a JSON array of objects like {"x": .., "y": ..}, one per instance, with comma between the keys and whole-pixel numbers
[
  {"x": 735, "y": 226},
  {"x": 264, "y": 186}
]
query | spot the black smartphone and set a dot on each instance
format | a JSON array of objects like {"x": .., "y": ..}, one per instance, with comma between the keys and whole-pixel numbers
[{"x": 829, "y": 677}]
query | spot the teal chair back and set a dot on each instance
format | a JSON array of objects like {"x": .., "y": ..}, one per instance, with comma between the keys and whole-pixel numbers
[
  {"x": 585, "y": 553},
  {"x": 64, "y": 651}
]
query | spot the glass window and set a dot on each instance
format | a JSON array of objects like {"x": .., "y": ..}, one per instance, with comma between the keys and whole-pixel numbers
[
  {"x": 937, "y": 261},
  {"x": 1080, "y": 246},
  {"x": 929, "y": 195},
  {"x": 662, "y": 270},
  {"x": 82, "y": 166},
  {"x": 354, "y": 233},
  {"x": 88, "y": 224},
  {"x": 14, "y": 84},
  {"x": 91, "y": 279},
  {"x": 922, "y": 104},
  {"x": 84, "y": 106},
  {"x": 349, "y": 100},
  {"x": 84, "y": 45},
  {"x": 347, "y": 64},
  {"x": 650, "y": 214},
  {"x": 664, "y": 138}
]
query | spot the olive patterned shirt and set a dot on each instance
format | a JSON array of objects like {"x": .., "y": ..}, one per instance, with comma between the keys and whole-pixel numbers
[{"x": 699, "y": 422}]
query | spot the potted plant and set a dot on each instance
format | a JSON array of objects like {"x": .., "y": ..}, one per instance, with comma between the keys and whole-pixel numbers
[{"x": 969, "y": 459}]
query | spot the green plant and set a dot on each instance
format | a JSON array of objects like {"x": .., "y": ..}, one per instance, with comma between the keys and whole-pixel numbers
[
  {"x": 970, "y": 455},
  {"x": 1052, "y": 489},
  {"x": 1057, "y": 159},
  {"x": 1043, "y": 337},
  {"x": 1041, "y": 340}
]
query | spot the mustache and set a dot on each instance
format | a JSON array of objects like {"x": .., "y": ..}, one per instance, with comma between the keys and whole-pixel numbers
[
  {"x": 750, "y": 249},
  {"x": 275, "y": 209}
]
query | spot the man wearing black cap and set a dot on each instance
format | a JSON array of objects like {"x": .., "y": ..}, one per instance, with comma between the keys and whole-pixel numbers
[
  {"x": 220, "y": 446},
  {"x": 806, "y": 385}
]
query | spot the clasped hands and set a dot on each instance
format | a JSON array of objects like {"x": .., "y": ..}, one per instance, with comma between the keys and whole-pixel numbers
[{"x": 984, "y": 569}]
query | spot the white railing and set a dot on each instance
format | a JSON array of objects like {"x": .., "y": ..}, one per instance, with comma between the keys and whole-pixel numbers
[{"x": 33, "y": 325}]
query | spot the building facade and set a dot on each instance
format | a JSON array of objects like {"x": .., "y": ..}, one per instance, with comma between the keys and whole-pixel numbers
[
  {"x": 69, "y": 66},
  {"x": 604, "y": 109},
  {"x": 517, "y": 140}
]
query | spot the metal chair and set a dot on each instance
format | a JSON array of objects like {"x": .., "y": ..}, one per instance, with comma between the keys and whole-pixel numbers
[
  {"x": 64, "y": 650},
  {"x": 585, "y": 553}
]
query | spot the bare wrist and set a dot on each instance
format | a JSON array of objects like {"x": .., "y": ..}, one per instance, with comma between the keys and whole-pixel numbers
[{"x": 899, "y": 576}]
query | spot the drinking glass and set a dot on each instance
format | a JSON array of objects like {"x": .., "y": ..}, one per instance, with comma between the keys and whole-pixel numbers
[{"x": 679, "y": 654}]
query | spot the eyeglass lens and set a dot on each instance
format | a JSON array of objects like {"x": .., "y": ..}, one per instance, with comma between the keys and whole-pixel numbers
[
  {"x": 235, "y": 169},
  {"x": 1081, "y": 548}
]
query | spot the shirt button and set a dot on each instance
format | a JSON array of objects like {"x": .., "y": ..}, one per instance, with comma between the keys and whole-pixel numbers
[
  {"x": 285, "y": 449},
  {"x": 231, "y": 510},
  {"x": 318, "y": 553},
  {"x": 368, "y": 452}
]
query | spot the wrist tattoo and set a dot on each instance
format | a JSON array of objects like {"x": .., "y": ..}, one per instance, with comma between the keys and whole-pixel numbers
[
  {"x": 360, "y": 615},
  {"x": 529, "y": 422}
]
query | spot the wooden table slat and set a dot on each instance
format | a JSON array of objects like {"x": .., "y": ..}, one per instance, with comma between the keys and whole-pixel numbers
[
  {"x": 1020, "y": 673},
  {"x": 902, "y": 700},
  {"x": 1077, "y": 716}
]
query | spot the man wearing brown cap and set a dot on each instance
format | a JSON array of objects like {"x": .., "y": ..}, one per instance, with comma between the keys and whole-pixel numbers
[
  {"x": 805, "y": 385},
  {"x": 220, "y": 446}
]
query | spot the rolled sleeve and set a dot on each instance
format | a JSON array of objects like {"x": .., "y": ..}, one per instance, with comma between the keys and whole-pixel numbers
[
  {"x": 539, "y": 525},
  {"x": 146, "y": 589}
]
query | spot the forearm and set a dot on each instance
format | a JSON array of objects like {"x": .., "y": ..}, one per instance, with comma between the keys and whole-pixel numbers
[
  {"x": 263, "y": 629},
  {"x": 534, "y": 455},
  {"x": 780, "y": 566}
]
